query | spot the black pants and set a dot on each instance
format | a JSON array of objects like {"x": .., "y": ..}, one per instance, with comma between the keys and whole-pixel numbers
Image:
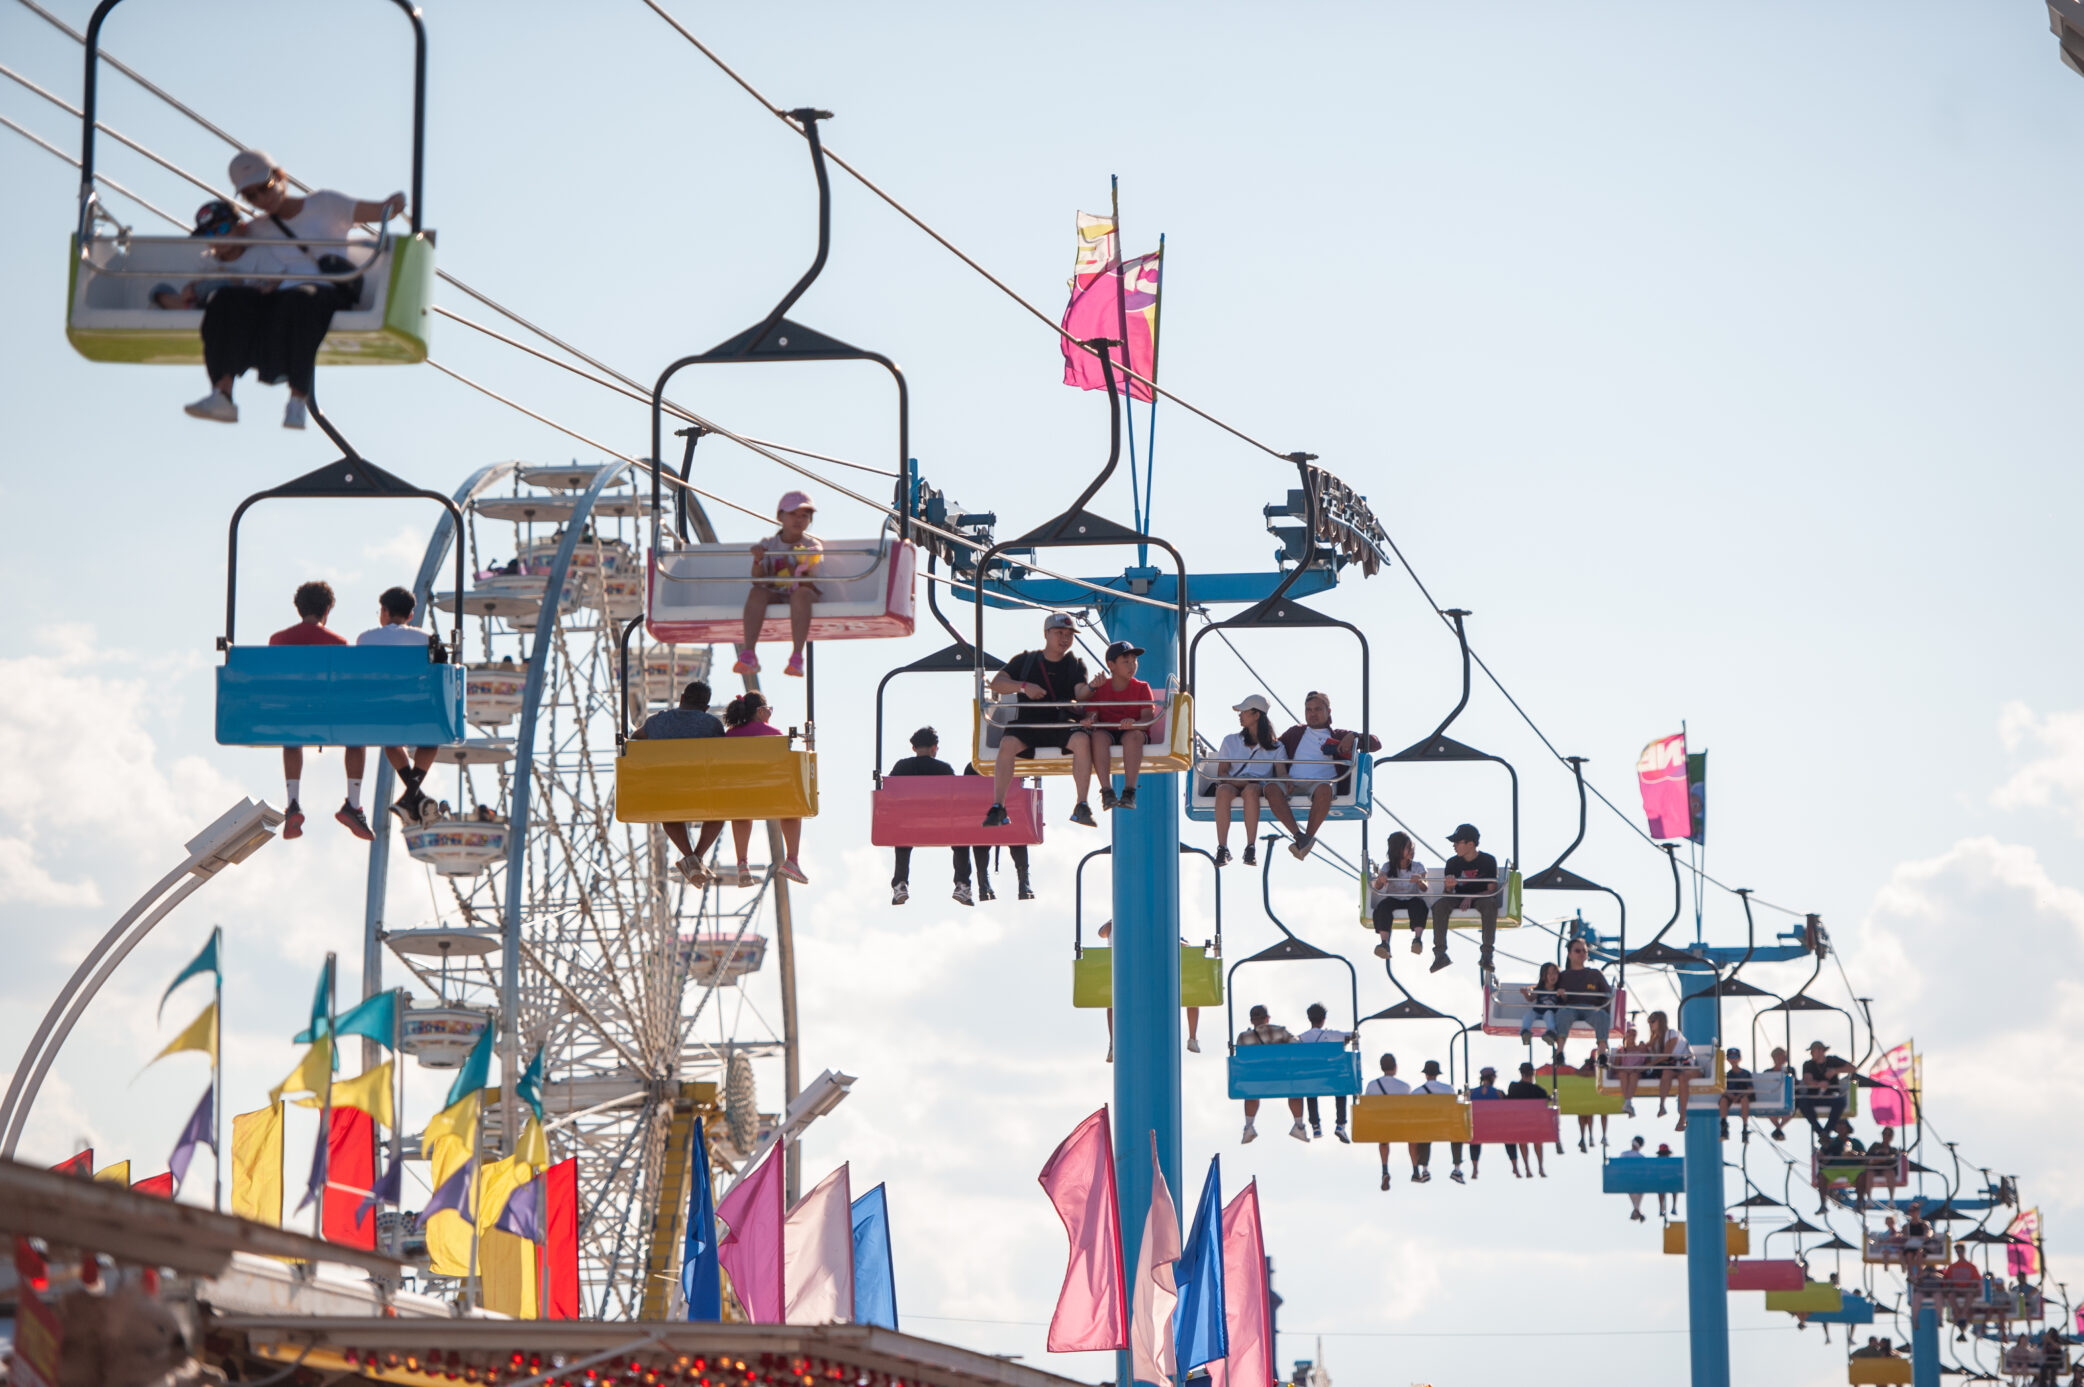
[
  {"x": 276, "y": 335},
  {"x": 1389, "y": 907},
  {"x": 1833, "y": 1108},
  {"x": 962, "y": 864},
  {"x": 1338, "y": 1098}
]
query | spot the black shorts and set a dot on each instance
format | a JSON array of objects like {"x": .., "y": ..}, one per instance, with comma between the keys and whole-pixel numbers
[{"x": 1034, "y": 738}]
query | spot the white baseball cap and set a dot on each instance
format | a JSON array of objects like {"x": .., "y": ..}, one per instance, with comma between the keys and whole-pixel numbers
[
  {"x": 1256, "y": 702},
  {"x": 250, "y": 167}
]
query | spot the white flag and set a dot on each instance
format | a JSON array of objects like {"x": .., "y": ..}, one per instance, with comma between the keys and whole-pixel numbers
[
  {"x": 818, "y": 1255},
  {"x": 1150, "y": 1319}
]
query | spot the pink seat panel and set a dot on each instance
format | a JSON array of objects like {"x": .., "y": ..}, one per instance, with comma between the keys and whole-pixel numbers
[
  {"x": 1512, "y": 1119},
  {"x": 947, "y": 811}
]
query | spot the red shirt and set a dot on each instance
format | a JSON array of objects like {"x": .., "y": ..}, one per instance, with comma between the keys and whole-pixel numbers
[
  {"x": 1113, "y": 706},
  {"x": 306, "y": 633}
]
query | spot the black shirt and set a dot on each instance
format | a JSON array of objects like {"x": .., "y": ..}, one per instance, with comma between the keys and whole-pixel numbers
[
  {"x": 1483, "y": 868},
  {"x": 922, "y": 765},
  {"x": 1819, "y": 1073},
  {"x": 1836, "y": 1145},
  {"x": 1521, "y": 1088},
  {"x": 1576, "y": 984},
  {"x": 1059, "y": 679}
]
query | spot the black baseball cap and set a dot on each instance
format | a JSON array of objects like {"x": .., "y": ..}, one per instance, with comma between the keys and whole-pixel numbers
[
  {"x": 926, "y": 736},
  {"x": 1466, "y": 832},
  {"x": 1121, "y": 648}
]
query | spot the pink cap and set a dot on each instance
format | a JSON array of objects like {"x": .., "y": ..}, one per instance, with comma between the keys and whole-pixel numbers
[{"x": 793, "y": 500}]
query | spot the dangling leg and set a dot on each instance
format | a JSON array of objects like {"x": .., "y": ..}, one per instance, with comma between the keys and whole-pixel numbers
[
  {"x": 801, "y": 597},
  {"x": 792, "y": 838},
  {"x": 1132, "y": 764},
  {"x": 1226, "y": 795},
  {"x": 292, "y": 782},
  {"x": 755, "y": 616},
  {"x": 1102, "y": 744}
]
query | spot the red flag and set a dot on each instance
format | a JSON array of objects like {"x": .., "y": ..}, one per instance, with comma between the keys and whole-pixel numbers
[
  {"x": 1091, "y": 1312},
  {"x": 350, "y": 1175},
  {"x": 561, "y": 1241},
  {"x": 81, "y": 1165},
  {"x": 161, "y": 1185},
  {"x": 1247, "y": 1302}
]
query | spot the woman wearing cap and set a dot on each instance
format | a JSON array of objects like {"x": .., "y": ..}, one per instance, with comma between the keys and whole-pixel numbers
[
  {"x": 1399, "y": 889},
  {"x": 274, "y": 327},
  {"x": 1244, "y": 761},
  {"x": 783, "y": 565}
]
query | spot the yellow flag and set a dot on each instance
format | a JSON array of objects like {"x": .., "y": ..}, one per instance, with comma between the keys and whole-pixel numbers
[
  {"x": 117, "y": 1174},
  {"x": 311, "y": 1075},
  {"x": 448, "y": 1244},
  {"x": 506, "y": 1274},
  {"x": 200, "y": 1035},
  {"x": 257, "y": 1165},
  {"x": 371, "y": 1092},
  {"x": 448, "y": 1232},
  {"x": 534, "y": 1147},
  {"x": 448, "y": 1140}
]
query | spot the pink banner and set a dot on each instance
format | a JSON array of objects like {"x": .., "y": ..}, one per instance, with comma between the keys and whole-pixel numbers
[
  {"x": 1113, "y": 306},
  {"x": 752, "y": 1251},
  {"x": 2022, "y": 1256},
  {"x": 1661, "y": 772},
  {"x": 1247, "y": 1305},
  {"x": 1894, "y": 1104},
  {"x": 1091, "y": 1311}
]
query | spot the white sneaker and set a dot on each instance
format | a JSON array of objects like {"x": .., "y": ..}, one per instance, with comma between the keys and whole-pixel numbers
[
  {"x": 1340, "y": 1132},
  {"x": 216, "y": 405},
  {"x": 1251, "y": 1134},
  {"x": 793, "y": 872},
  {"x": 691, "y": 872},
  {"x": 745, "y": 875},
  {"x": 296, "y": 415},
  {"x": 1193, "y": 1044},
  {"x": 900, "y": 893},
  {"x": 962, "y": 893},
  {"x": 1628, "y": 1108},
  {"x": 1300, "y": 1131}
]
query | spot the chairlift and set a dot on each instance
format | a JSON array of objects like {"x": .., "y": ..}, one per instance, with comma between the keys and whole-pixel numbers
[
  {"x": 338, "y": 695},
  {"x": 110, "y": 315},
  {"x": 1819, "y": 1302},
  {"x": 1421, "y": 1117},
  {"x": 1736, "y": 1238},
  {"x": 1766, "y": 1274},
  {"x": 1557, "y": 877},
  {"x": 708, "y": 779},
  {"x": 1302, "y": 1068},
  {"x": 1888, "y": 1371},
  {"x": 1092, "y": 965},
  {"x": 696, "y": 590}
]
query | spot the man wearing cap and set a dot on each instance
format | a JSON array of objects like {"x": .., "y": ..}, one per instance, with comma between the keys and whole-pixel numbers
[
  {"x": 1320, "y": 764},
  {"x": 1422, "y": 1152},
  {"x": 783, "y": 565},
  {"x": 1047, "y": 682},
  {"x": 1527, "y": 1153},
  {"x": 1263, "y": 1031},
  {"x": 1245, "y": 763},
  {"x": 1485, "y": 1090},
  {"x": 1472, "y": 884},
  {"x": 273, "y": 327},
  {"x": 1822, "y": 1088},
  {"x": 1121, "y": 707}
]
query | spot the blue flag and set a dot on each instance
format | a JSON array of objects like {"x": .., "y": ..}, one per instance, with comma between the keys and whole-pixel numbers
[
  {"x": 388, "y": 1191},
  {"x": 205, "y": 962},
  {"x": 700, "y": 1281},
  {"x": 321, "y": 1011},
  {"x": 476, "y": 1071},
  {"x": 1200, "y": 1332},
  {"x": 198, "y": 1132},
  {"x": 875, "y": 1281},
  {"x": 454, "y": 1194},
  {"x": 375, "y": 1018},
  {"x": 530, "y": 1089},
  {"x": 523, "y": 1214}
]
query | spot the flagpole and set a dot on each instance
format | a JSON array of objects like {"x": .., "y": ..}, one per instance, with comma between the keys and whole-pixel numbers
[
  {"x": 217, "y": 1081},
  {"x": 1150, "y": 449},
  {"x": 472, "y": 1189},
  {"x": 398, "y": 1114},
  {"x": 325, "y": 1109},
  {"x": 1121, "y": 306}
]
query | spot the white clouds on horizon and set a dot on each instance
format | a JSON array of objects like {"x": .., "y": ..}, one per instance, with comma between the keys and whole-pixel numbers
[{"x": 2054, "y": 779}]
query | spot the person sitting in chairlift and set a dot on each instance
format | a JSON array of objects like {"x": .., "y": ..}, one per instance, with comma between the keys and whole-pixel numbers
[
  {"x": 1399, "y": 888},
  {"x": 692, "y": 719},
  {"x": 1120, "y": 708},
  {"x": 1047, "y": 682},
  {"x": 783, "y": 566},
  {"x": 1389, "y": 1083},
  {"x": 314, "y": 603},
  {"x": 1263, "y": 1031},
  {"x": 1635, "y": 1197},
  {"x": 1583, "y": 997},
  {"x": 1318, "y": 1031},
  {"x": 274, "y": 327},
  {"x": 1665, "y": 1055},
  {"x": 1422, "y": 1152},
  {"x": 1822, "y": 1088},
  {"x": 1106, "y": 931},
  {"x": 394, "y": 612},
  {"x": 746, "y": 716},
  {"x": 1779, "y": 1066},
  {"x": 1488, "y": 1089},
  {"x": 1245, "y": 763},
  {"x": 926, "y": 760},
  {"x": 1320, "y": 764},
  {"x": 1528, "y": 1154},
  {"x": 1738, "y": 1088},
  {"x": 1472, "y": 883}
]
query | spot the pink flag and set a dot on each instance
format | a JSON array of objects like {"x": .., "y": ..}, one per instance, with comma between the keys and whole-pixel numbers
[
  {"x": 1150, "y": 1325},
  {"x": 1892, "y": 1105},
  {"x": 1247, "y": 1304},
  {"x": 1079, "y": 1180},
  {"x": 2022, "y": 1256},
  {"x": 818, "y": 1254},
  {"x": 752, "y": 1251},
  {"x": 1102, "y": 304},
  {"x": 1661, "y": 772}
]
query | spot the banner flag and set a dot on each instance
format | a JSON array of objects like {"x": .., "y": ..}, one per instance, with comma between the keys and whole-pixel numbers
[{"x": 1660, "y": 772}]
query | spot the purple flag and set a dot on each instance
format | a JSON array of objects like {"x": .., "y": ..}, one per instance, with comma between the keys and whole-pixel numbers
[
  {"x": 453, "y": 1194},
  {"x": 196, "y": 1133},
  {"x": 316, "y": 1185},
  {"x": 523, "y": 1214},
  {"x": 387, "y": 1191}
]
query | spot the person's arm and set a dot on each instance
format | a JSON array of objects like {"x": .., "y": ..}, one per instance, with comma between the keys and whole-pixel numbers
[
  {"x": 380, "y": 211},
  {"x": 1005, "y": 681}
]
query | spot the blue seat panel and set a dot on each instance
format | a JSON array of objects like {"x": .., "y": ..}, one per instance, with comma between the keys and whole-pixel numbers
[
  {"x": 1853, "y": 1309},
  {"x": 1201, "y": 800},
  {"x": 337, "y": 695},
  {"x": 1644, "y": 1175},
  {"x": 1300, "y": 1069}
]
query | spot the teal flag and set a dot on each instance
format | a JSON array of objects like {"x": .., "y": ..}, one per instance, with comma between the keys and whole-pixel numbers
[
  {"x": 376, "y": 1019},
  {"x": 476, "y": 1071},
  {"x": 205, "y": 962},
  {"x": 321, "y": 1009},
  {"x": 530, "y": 1089}
]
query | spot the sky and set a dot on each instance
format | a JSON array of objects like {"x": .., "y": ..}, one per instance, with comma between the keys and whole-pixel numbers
[{"x": 1721, "y": 368}]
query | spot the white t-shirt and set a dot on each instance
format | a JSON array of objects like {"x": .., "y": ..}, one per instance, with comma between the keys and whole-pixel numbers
[
  {"x": 392, "y": 635},
  {"x": 1320, "y": 1033},
  {"x": 1387, "y": 1084},
  {"x": 1313, "y": 756},
  {"x": 1405, "y": 885},
  {"x": 1246, "y": 760},
  {"x": 1433, "y": 1086},
  {"x": 325, "y": 216}
]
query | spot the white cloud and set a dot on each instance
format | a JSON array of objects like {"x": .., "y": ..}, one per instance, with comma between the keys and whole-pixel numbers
[
  {"x": 25, "y": 881},
  {"x": 2054, "y": 778}
]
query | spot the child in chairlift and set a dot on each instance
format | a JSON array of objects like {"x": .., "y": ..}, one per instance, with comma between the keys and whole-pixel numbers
[
  {"x": 1121, "y": 709},
  {"x": 782, "y": 565}
]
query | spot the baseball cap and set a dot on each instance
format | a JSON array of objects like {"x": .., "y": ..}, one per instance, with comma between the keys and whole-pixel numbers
[
  {"x": 793, "y": 500},
  {"x": 1059, "y": 621},
  {"x": 1487, "y": 1073},
  {"x": 250, "y": 167},
  {"x": 1256, "y": 702},
  {"x": 926, "y": 736},
  {"x": 1121, "y": 648},
  {"x": 1466, "y": 832}
]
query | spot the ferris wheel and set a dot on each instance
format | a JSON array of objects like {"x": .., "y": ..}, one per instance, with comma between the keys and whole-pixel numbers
[{"x": 546, "y": 917}]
